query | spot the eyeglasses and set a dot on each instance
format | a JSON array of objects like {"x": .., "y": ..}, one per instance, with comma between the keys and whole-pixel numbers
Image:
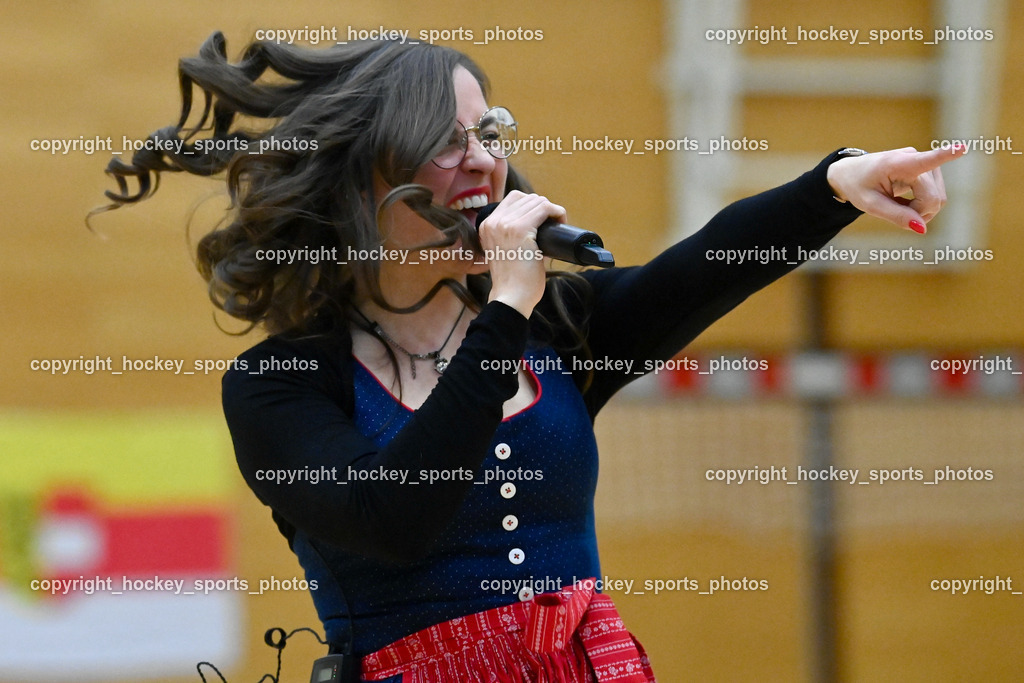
[{"x": 496, "y": 132}]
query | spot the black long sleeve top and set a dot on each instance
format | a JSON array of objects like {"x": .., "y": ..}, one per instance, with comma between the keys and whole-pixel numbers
[{"x": 303, "y": 419}]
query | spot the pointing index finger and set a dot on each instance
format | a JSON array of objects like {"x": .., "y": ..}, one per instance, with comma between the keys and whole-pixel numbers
[{"x": 922, "y": 162}]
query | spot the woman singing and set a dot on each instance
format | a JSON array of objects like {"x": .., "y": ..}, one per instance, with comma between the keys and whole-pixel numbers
[{"x": 422, "y": 384}]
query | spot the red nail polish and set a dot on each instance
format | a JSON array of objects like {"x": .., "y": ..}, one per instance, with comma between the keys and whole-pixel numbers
[{"x": 918, "y": 227}]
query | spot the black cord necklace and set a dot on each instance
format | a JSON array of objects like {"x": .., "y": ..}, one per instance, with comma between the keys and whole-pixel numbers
[{"x": 440, "y": 362}]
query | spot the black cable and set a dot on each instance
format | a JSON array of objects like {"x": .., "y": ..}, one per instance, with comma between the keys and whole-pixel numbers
[
  {"x": 200, "y": 670},
  {"x": 278, "y": 645}
]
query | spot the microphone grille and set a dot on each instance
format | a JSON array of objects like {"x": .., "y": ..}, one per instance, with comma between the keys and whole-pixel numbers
[{"x": 484, "y": 212}]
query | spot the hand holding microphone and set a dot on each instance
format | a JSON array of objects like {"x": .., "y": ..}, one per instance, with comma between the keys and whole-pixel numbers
[
  {"x": 564, "y": 242},
  {"x": 511, "y": 227}
]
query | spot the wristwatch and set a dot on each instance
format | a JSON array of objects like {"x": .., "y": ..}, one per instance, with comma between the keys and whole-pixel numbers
[{"x": 842, "y": 154}]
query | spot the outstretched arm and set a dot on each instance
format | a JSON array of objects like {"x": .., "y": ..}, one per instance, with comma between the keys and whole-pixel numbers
[{"x": 649, "y": 313}]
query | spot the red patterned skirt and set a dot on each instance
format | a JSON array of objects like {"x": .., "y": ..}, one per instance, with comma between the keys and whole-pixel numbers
[{"x": 572, "y": 636}]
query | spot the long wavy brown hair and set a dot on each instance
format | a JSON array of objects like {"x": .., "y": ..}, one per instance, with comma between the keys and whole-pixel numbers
[{"x": 328, "y": 120}]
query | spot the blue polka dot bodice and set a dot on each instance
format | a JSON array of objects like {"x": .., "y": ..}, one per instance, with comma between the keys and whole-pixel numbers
[{"x": 525, "y": 527}]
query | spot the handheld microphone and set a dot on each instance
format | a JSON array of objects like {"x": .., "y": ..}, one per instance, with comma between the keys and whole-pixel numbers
[{"x": 564, "y": 242}]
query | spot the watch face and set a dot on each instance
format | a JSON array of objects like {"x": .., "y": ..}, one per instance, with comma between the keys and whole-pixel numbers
[{"x": 851, "y": 152}]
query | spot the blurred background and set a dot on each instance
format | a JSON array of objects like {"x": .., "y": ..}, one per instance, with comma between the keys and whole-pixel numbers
[{"x": 132, "y": 474}]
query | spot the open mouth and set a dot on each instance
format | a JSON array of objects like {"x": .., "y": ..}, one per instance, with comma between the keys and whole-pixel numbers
[{"x": 473, "y": 201}]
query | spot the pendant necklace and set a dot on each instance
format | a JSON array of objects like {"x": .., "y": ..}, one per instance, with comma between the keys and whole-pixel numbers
[{"x": 440, "y": 362}]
